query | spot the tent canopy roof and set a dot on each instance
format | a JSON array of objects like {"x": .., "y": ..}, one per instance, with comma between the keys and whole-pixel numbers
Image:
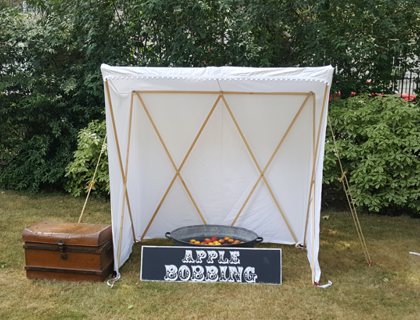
[{"x": 242, "y": 79}]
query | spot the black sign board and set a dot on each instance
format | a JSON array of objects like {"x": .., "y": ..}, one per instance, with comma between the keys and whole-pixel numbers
[{"x": 207, "y": 264}]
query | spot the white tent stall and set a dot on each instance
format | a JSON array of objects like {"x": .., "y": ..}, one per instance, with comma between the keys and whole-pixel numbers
[{"x": 218, "y": 145}]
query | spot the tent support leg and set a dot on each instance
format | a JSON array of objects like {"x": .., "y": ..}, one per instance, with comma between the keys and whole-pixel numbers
[
  {"x": 313, "y": 234},
  {"x": 119, "y": 153},
  {"x": 313, "y": 193},
  {"x": 314, "y": 163},
  {"x": 124, "y": 174}
]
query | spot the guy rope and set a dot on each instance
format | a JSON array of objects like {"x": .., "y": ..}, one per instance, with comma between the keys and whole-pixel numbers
[
  {"x": 92, "y": 183},
  {"x": 350, "y": 199}
]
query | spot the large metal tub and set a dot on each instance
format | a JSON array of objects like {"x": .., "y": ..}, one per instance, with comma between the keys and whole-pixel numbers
[{"x": 183, "y": 235}]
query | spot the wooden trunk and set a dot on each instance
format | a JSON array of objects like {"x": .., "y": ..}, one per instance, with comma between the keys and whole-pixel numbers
[{"x": 68, "y": 251}]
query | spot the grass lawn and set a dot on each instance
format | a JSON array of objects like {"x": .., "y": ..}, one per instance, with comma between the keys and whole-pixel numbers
[{"x": 390, "y": 289}]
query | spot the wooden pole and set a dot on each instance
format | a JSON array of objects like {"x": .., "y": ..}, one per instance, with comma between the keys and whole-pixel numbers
[
  {"x": 314, "y": 152},
  {"x": 308, "y": 95},
  {"x": 93, "y": 180},
  {"x": 125, "y": 194},
  {"x": 268, "y": 164},
  {"x": 180, "y": 167},
  {"x": 158, "y": 207},
  {"x": 242, "y": 135},
  {"x": 118, "y": 151},
  {"x": 313, "y": 235},
  {"x": 246, "y": 200},
  {"x": 314, "y": 163},
  {"x": 173, "y": 163},
  {"x": 199, "y": 132},
  {"x": 125, "y": 185},
  {"x": 313, "y": 189},
  {"x": 126, "y": 164},
  {"x": 156, "y": 130},
  {"x": 268, "y": 93},
  {"x": 224, "y": 92}
]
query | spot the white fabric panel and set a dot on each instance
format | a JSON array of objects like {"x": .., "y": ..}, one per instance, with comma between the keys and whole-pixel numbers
[{"x": 219, "y": 172}]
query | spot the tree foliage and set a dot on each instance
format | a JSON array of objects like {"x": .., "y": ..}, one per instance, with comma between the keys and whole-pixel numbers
[
  {"x": 378, "y": 141},
  {"x": 50, "y": 81},
  {"x": 82, "y": 169}
]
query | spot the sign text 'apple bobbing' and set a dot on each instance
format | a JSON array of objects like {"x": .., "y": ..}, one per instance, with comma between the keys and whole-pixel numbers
[
  {"x": 202, "y": 268},
  {"x": 209, "y": 265}
]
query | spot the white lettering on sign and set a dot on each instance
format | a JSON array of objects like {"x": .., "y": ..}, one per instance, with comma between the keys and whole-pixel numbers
[
  {"x": 197, "y": 273},
  {"x": 249, "y": 275},
  {"x": 171, "y": 272},
  {"x": 234, "y": 257},
  {"x": 188, "y": 257},
  {"x": 223, "y": 273},
  {"x": 212, "y": 274},
  {"x": 212, "y": 255},
  {"x": 201, "y": 254},
  {"x": 184, "y": 273},
  {"x": 222, "y": 260},
  {"x": 235, "y": 273}
]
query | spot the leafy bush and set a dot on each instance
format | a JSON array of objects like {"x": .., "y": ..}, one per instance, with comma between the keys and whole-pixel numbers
[
  {"x": 81, "y": 170},
  {"x": 378, "y": 142},
  {"x": 50, "y": 81},
  {"x": 43, "y": 101}
]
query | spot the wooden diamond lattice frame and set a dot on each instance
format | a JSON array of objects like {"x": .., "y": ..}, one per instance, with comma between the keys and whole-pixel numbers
[{"x": 221, "y": 96}]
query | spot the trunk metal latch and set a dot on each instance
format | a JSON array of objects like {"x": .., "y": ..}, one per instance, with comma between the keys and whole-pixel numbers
[{"x": 63, "y": 255}]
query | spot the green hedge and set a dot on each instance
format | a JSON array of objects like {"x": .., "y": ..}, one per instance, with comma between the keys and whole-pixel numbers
[
  {"x": 378, "y": 142},
  {"x": 50, "y": 81},
  {"x": 81, "y": 170}
]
